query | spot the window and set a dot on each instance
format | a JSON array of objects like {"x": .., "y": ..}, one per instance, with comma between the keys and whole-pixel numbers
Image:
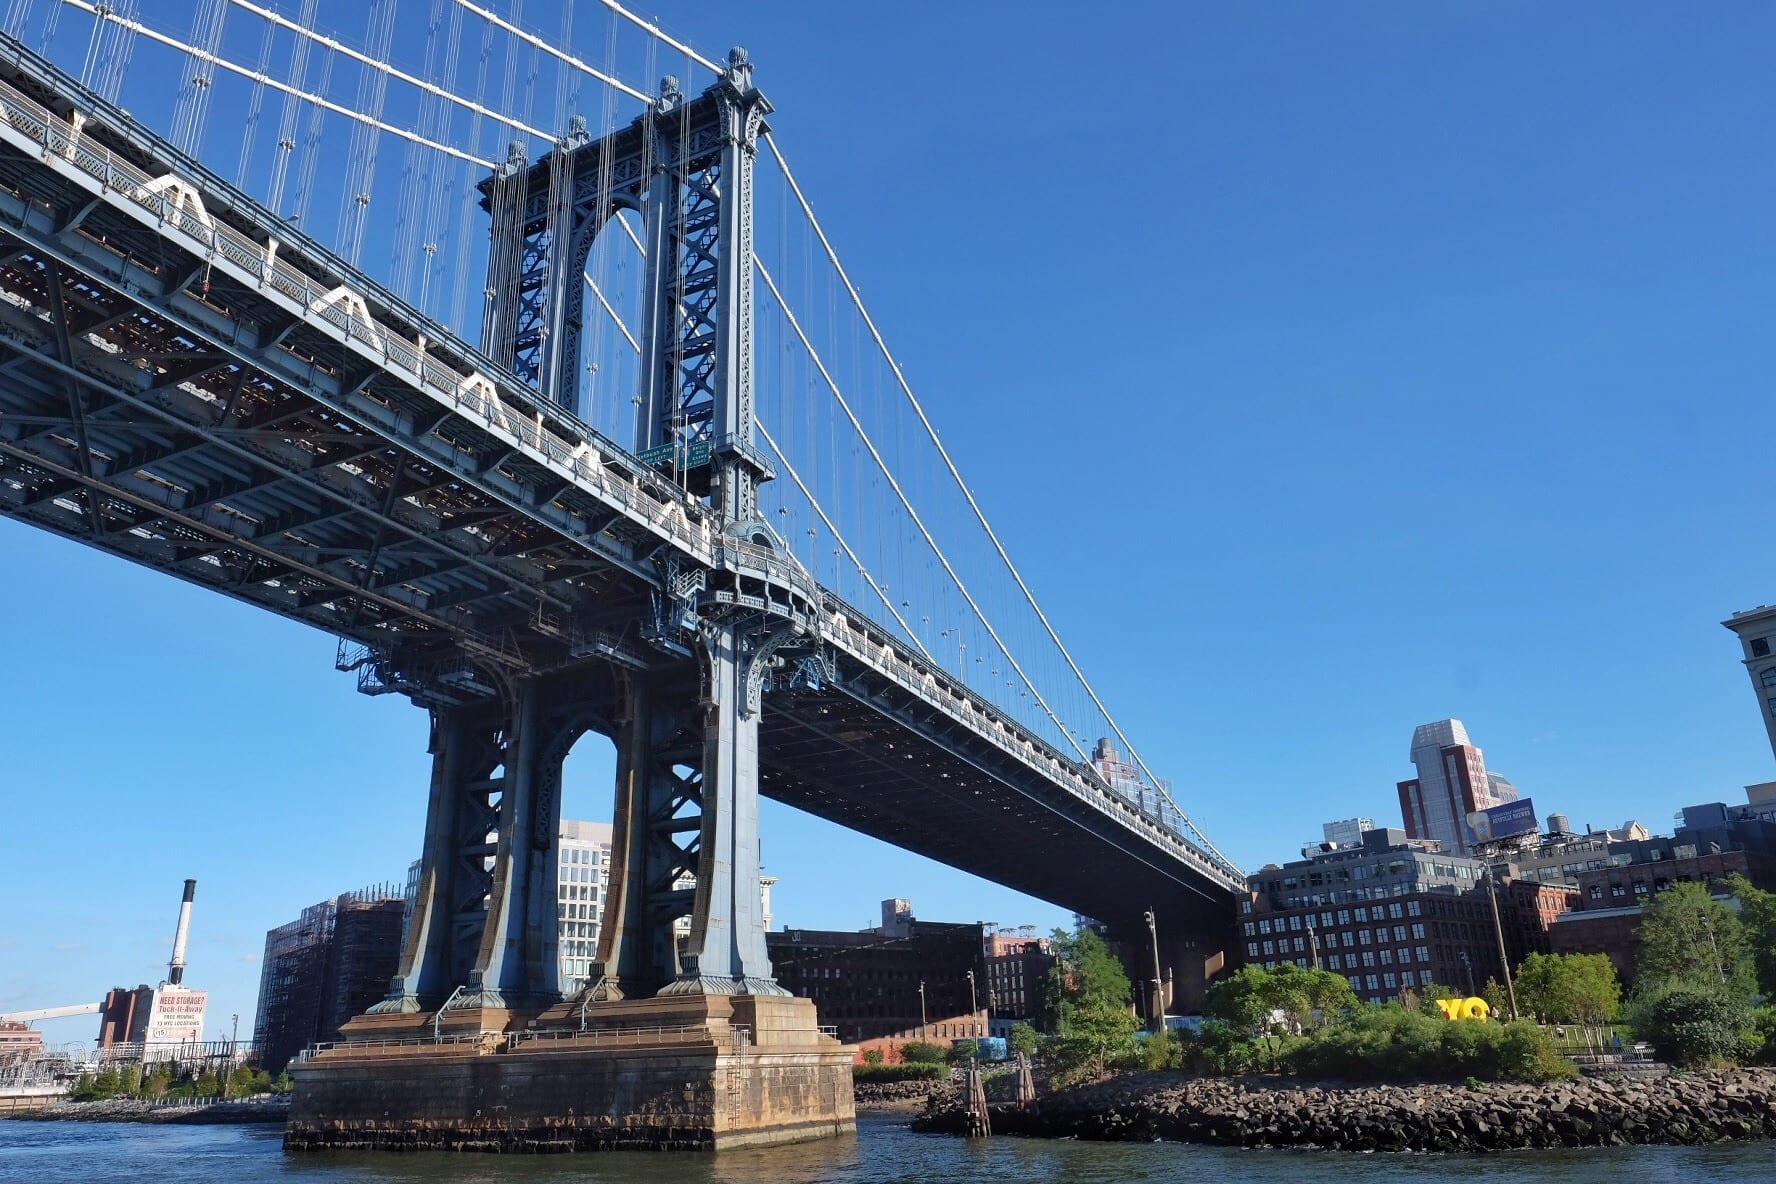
[
  {"x": 1388, "y": 980},
  {"x": 1325, "y": 920},
  {"x": 1408, "y": 978},
  {"x": 1640, "y": 889},
  {"x": 1344, "y": 917},
  {"x": 1618, "y": 890},
  {"x": 1768, "y": 677},
  {"x": 1424, "y": 955},
  {"x": 1760, "y": 647},
  {"x": 1356, "y": 982},
  {"x": 1334, "y": 962},
  {"x": 1418, "y": 930},
  {"x": 1295, "y": 923},
  {"x": 1299, "y": 946},
  {"x": 1387, "y": 957},
  {"x": 1251, "y": 949},
  {"x": 1394, "y": 912},
  {"x": 1399, "y": 933},
  {"x": 1264, "y": 926},
  {"x": 1413, "y": 908},
  {"x": 1270, "y": 947},
  {"x": 1362, "y": 916},
  {"x": 1368, "y": 957},
  {"x": 1370, "y": 980},
  {"x": 1597, "y": 892},
  {"x": 1362, "y": 937},
  {"x": 1250, "y": 929}
]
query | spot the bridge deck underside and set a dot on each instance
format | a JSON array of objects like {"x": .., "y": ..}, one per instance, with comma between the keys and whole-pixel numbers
[
  {"x": 154, "y": 409},
  {"x": 842, "y": 759}
]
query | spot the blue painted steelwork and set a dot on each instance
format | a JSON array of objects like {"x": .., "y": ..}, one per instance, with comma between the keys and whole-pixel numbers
[{"x": 188, "y": 384}]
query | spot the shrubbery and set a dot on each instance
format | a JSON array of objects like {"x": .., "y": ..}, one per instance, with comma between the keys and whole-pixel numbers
[
  {"x": 924, "y": 1051},
  {"x": 1696, "y": 1025},
  {"x": 910, "y": 1071},
  {"x": 1392, "y": 1044}
]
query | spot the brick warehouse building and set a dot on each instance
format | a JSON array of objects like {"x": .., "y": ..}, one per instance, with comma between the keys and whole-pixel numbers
[
  {"x": 867, "y": 983},
  {"x": 1389, "y": 914}
]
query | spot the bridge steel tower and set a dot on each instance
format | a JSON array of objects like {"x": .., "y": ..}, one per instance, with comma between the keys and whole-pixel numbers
[{"x": 480, "y": 959}]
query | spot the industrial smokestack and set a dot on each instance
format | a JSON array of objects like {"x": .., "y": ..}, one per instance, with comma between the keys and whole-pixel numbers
[{"x": 176, "y": 968}]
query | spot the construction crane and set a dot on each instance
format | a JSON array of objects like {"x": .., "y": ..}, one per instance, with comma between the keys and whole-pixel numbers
[{"x": 51, "y": 1013}]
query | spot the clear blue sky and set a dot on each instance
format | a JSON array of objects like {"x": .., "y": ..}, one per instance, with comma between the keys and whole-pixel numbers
[{"x": 1329, "y": 368}]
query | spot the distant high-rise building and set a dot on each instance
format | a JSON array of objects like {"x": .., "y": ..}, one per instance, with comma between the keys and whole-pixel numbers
[
  {"x": 1756, "y": 630},
  {"x": 1347, "y": 832},
  {"x": 583, "y": 883},
  {"x": 1452, "y": 783}
]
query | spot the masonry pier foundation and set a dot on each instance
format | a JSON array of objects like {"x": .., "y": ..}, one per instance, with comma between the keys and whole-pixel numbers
[{"x": 694, "y": 1072}]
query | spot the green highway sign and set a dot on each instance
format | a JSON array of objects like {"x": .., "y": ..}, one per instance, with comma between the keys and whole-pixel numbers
[{"x": 662, "y": 456}]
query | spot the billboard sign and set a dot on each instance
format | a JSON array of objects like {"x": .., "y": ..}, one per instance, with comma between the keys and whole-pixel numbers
[
  {"x": 1503, "y": 821},
  {"x": 177, "y": 1016}
]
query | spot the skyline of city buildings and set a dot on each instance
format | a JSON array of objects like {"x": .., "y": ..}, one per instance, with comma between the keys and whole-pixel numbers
[{"x": 1452, "y": 783}]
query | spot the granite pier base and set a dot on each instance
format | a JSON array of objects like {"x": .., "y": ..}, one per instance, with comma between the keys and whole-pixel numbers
[{"x": 700, "y": 1072}]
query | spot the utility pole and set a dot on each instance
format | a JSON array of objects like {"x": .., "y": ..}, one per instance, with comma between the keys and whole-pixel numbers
[
  {"x": 1498, "y": 930},
  {"x": 1155, "y": 1013},
  {"x": 1313, "y": 945},
  {"x": 973, "y": 1004},
  {"x": 921, "y": 1009}
]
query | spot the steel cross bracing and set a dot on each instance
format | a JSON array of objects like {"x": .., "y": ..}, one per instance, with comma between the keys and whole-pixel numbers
[{"x": 188, "y": 383}]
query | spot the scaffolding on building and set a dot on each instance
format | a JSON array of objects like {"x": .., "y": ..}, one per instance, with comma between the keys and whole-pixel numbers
[{"x": 326, "y": 966}]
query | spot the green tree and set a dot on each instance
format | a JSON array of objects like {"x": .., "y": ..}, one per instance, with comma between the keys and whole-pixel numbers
[
  {"x": 243, "y": 1081},
  {"x": 1267, "y": 1005},
  {"x": 106, "y": 1084},
  {"x": 207, "y": 1085},
  {"x": 1757, "y": 919},
  {"x": 1687, "y": 937},
  {"x": 1430, "y": 993},
  {"x": 1569, "y": 988},
  {"x": 158, "y": 1081},
  {"x": 1023, "y": 1039},
  {"x": 1090, "y": 992},
  {"x": 283, "y": 1084}
]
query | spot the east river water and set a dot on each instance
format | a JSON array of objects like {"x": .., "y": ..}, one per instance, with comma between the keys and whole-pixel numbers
[{"x": 883, "y": 1151}]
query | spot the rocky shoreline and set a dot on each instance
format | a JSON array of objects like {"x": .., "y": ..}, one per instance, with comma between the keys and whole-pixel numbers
[
  {"x": 1691, "y": 1108},
  {"x": 139, "y": 1110},
  {"x": 908, "y": 1097}
]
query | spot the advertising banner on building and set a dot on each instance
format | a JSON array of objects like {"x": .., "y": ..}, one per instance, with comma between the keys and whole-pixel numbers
[
  {"x": 177, "y": 1016},
  {"x": 1504, "y": 822}
]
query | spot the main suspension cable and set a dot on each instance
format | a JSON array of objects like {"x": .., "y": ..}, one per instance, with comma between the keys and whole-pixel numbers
[{"x": 980, "y": 516}]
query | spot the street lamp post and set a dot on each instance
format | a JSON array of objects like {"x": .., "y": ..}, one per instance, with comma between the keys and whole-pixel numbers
[
  {"x": 921, "y": 1009},
  {"x": 973, "y": 1004}
]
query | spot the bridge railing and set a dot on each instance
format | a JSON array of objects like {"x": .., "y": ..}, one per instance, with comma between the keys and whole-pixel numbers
[
  {"x": 492, "y": 398},
  {"x": 940, "y": 689}
]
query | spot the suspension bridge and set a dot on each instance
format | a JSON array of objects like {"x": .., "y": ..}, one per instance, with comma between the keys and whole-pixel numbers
[{"x": 780, "y": 585}]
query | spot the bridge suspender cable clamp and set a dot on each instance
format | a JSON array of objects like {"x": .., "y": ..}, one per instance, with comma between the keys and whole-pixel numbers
[{"x": 200, "y": 381}]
